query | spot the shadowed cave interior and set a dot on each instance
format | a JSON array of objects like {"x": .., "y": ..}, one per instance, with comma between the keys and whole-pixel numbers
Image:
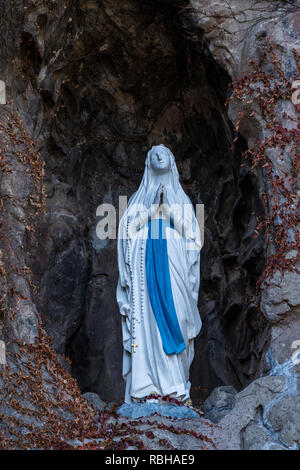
[{"x": 132, "y": 79}]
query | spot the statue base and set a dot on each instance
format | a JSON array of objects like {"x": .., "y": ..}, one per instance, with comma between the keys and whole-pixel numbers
[{"x": 139, "y": 410}]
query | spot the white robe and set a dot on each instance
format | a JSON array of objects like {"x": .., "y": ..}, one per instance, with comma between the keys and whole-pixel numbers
[{"x": 150, "y": 369}]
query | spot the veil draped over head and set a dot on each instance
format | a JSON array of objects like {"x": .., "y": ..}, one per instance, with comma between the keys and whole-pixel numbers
[{"x": 148, "y": 187}]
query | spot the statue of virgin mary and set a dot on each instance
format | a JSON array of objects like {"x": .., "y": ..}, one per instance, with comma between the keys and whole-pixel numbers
[{"x": 159, "y": 273}]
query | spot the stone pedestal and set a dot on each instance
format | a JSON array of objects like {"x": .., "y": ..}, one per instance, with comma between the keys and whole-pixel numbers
[{"x": 138, "y": 410}]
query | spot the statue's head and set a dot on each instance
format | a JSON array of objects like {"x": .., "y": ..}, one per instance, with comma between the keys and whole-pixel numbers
[{"x": 160, "y": 159}]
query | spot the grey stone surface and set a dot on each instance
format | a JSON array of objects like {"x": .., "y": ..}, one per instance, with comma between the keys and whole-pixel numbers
[
  {"x": 18, "y": 312},
  {"x": 177, "y": 439},
  {"x": 249, "y": 407},
  {"x": 256, "y": 437},
  {"x": 219, "y": 403},
  {"x": 282, "y": 297},
  {"x": 285, "y": 340},
  {"x": 95, "y": 400},
  {"x": 284, "y": 418}
]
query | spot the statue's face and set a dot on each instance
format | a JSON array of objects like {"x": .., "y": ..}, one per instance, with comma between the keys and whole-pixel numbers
[{"x": 160, "y": 160}]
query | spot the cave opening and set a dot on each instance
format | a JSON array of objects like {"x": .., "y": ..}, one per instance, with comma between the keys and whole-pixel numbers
[{"x": 133, "y": 78}]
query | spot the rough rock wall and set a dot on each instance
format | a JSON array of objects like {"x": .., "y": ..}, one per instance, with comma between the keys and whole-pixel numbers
[
  {"x": 21, "y": 191},
  {"x": 38, "y": 397},
  {"x": 237, "y": 33},
  {"x": 97, "y": 84},
  {"x": 263, "y": 416}
]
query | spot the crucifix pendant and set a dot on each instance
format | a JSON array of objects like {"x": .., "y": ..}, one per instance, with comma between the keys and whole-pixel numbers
[{"x": 134, "y": 346}]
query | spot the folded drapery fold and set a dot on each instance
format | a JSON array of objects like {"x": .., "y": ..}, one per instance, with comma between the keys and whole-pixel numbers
[{"x": 159, "y": 287}]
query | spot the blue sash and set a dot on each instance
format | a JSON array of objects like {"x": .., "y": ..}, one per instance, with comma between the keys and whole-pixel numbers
[{"x": 159, "y": 287}]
